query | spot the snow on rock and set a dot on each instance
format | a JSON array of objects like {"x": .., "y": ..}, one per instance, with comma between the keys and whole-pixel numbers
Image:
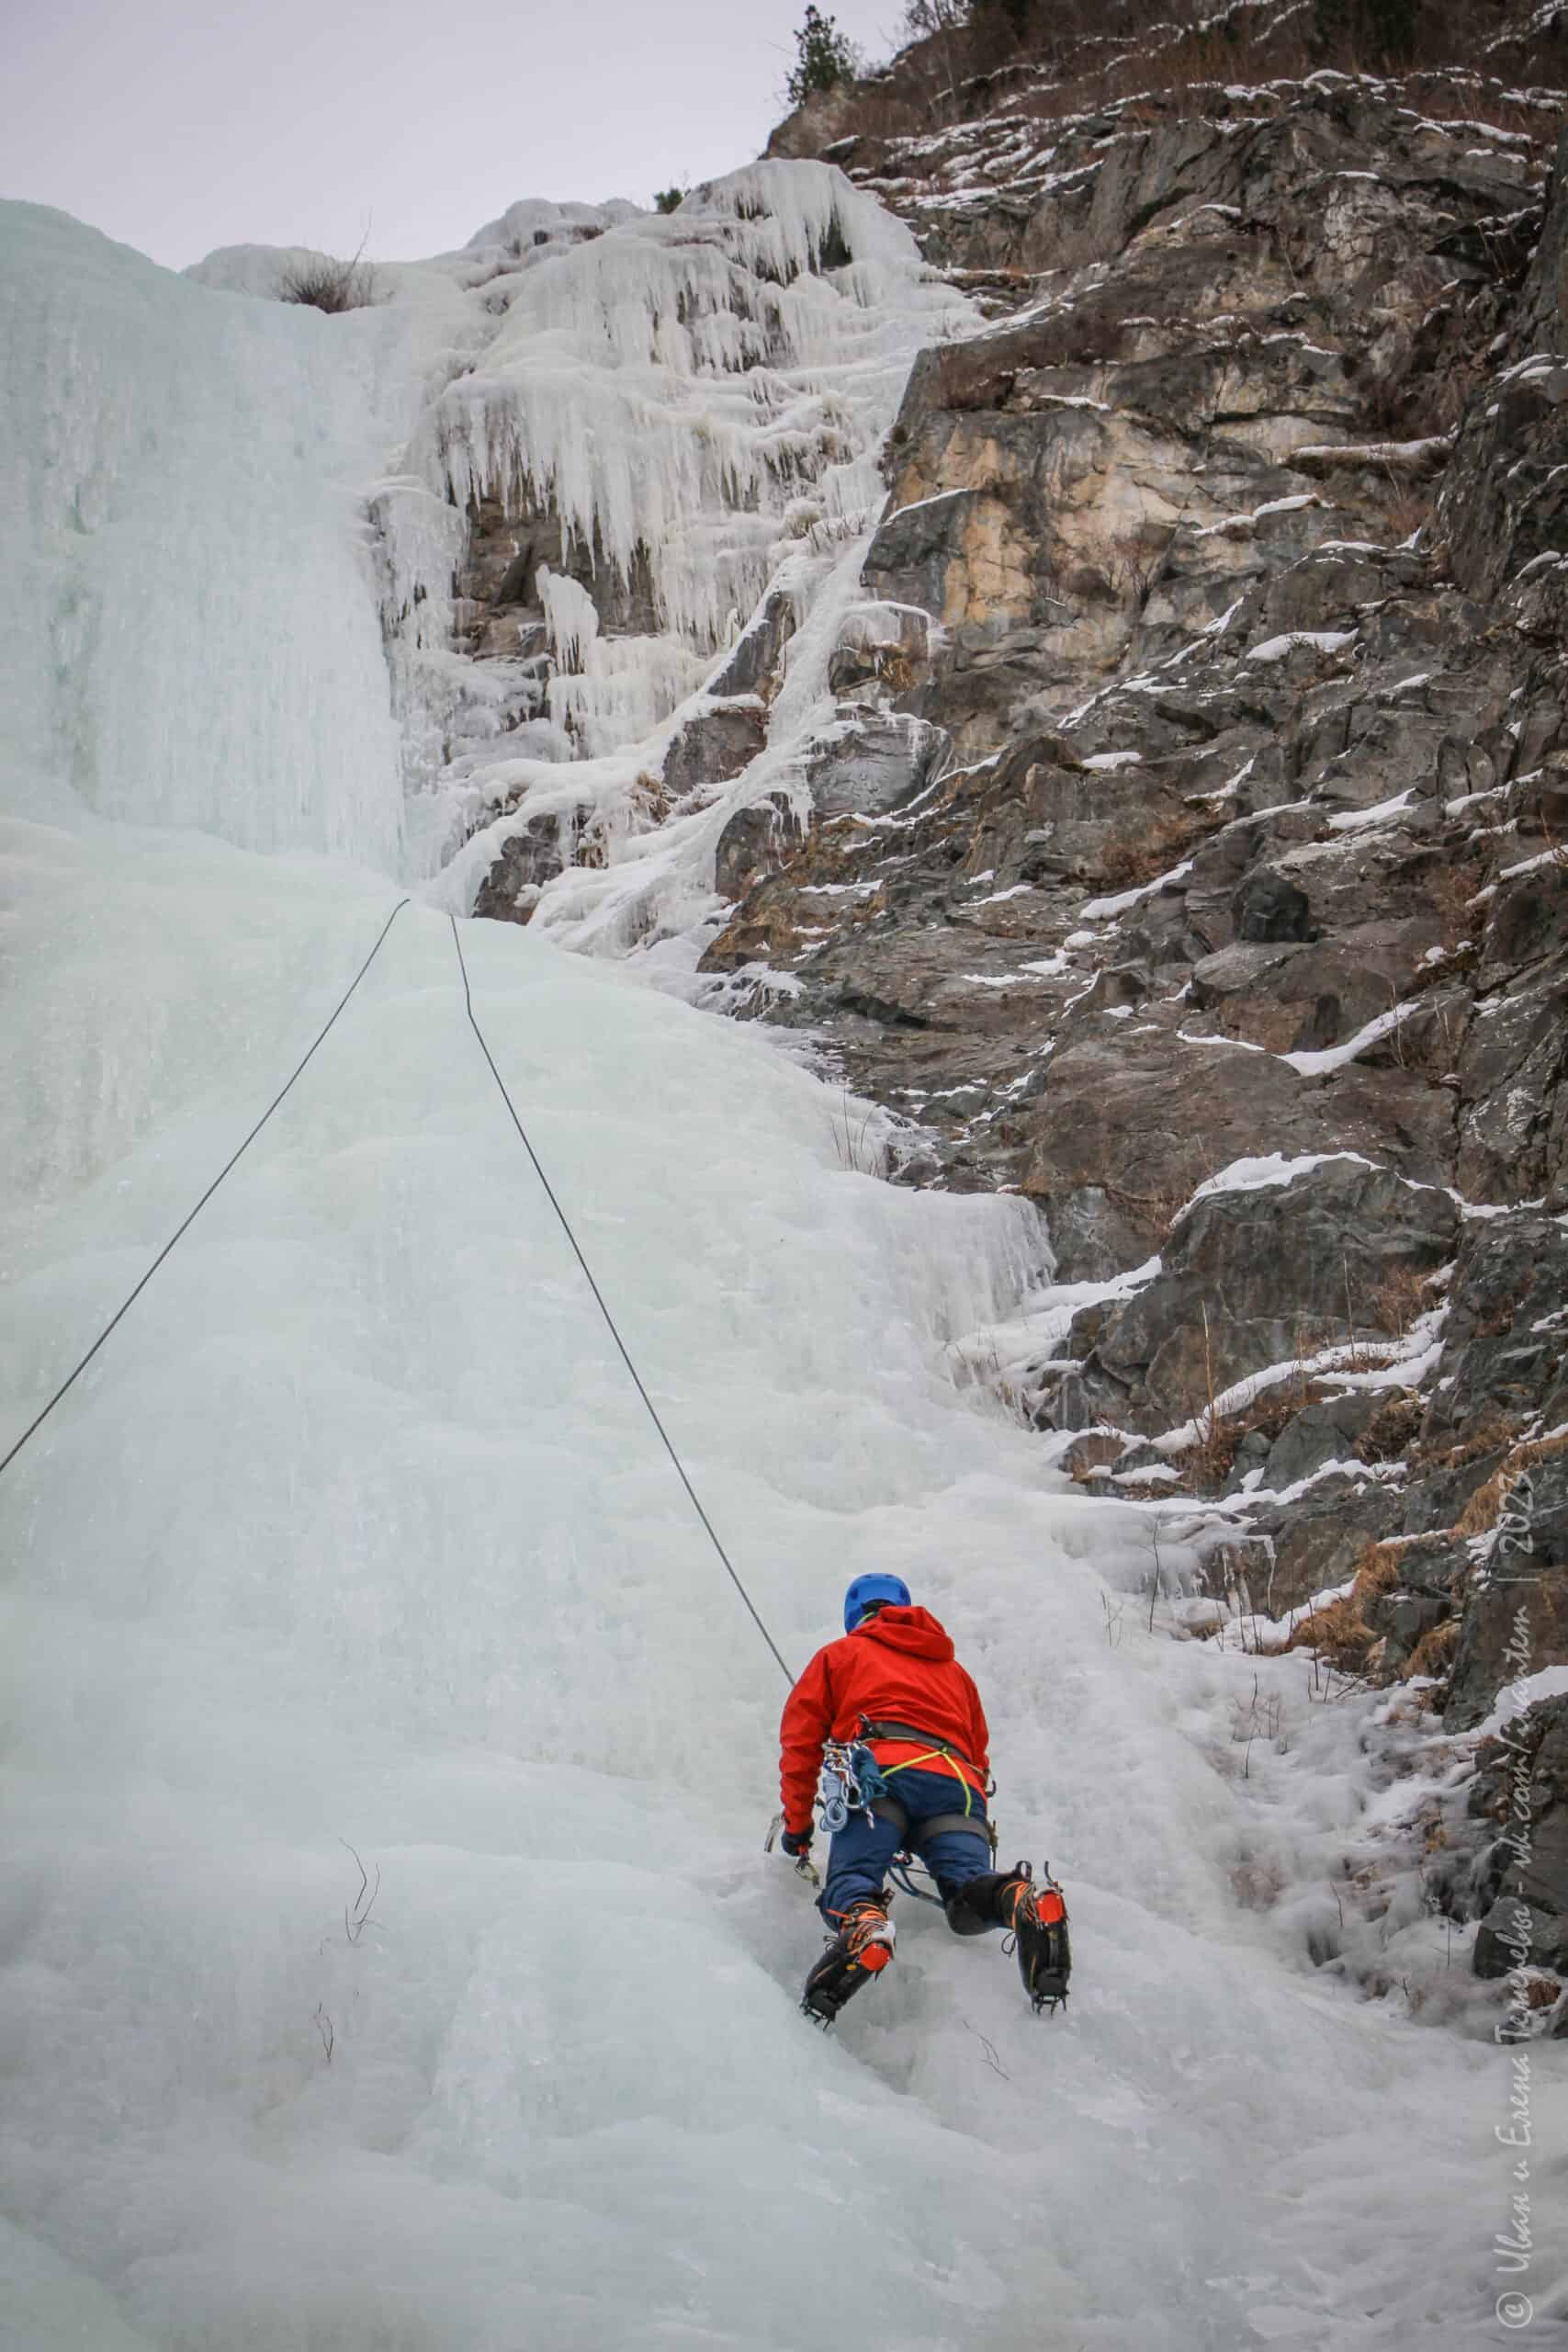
[
  {"x": 1312, "y": 1064},
  {"x": 1263, "y": 1173},
  {"x": 1319, "y": 640},
  {"x": 1358, "y": 820},
  {"x": 1256, "y": 1634},
  {"x": 1122, "y": 901},
  {"x": 1405, "y": 1363},
  {"x": 1546, "y": 1683}
]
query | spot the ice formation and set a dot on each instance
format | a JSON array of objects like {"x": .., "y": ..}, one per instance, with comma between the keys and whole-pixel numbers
[
  {"x": 672, "y": 386},
  {"x": 191, "y": 633},
  {"x": 354, "y": 1537},
  {"x": 699, "y": 400}
]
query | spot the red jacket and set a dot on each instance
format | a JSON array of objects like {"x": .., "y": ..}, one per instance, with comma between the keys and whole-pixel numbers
[{"x": 897, "y": 1666}]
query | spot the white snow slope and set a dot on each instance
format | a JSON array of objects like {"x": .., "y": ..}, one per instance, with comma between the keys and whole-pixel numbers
[{"x": 355, "y": 1536}]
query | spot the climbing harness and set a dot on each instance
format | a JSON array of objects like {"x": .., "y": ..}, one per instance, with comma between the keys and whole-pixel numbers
[
  {"x": 72, "y": 1377},
  {"x": 907, "y": 1731},
  {"x": 849, "y": 1781},
  {"x": 609, "y": 1319},
  {"x": 901, "y": 1871},
  {"x": 852, "y": 1782}
]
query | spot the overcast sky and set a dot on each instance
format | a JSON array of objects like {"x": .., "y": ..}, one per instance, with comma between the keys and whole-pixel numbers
[{"x": 177, "y": 128}]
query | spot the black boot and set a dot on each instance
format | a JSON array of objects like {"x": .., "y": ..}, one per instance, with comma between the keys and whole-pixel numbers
[
  {"x": 860, "y": 1950},
  {"x": 1035, "y": 1916},
  {"x": 975, "y": 1909}
]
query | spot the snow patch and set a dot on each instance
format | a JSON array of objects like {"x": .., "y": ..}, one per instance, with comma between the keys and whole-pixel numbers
[{"x": 1319, "y": 640}]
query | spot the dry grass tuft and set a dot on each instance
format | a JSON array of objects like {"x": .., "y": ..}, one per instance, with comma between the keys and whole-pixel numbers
[
  {"x": 1485, "y": 1508},
  {"x": 1376, "y": 1572},
  {"x": 1337, "y": 1632},
  {"x": 1433, "y": 1655}
]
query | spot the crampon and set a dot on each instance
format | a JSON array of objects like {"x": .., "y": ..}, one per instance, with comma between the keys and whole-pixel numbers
[
  {"x": 860, "y": 1951},
  {"x": 1037, "y": 1920}
]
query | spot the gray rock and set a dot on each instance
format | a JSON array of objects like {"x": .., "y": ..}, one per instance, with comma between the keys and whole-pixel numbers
[
  {"x": 1271, "y": 906},
  {"x": 1507, "y": 1334},
  {"x": 1515, "y": 1619},
  {"x": 754, "y": 841},
  {"x": 530, "y": 856},
  {"x": 1522, "y": 1787},
  {"x": 873, "y": 761},
  {"x": 720, "y": 742},
  {"x": 1251, "y": 1279},
  {"x": 1511, "y": 1068},
  {"x": 1315, "y": 1436},
  {"x": 753, "y": 663},
  {"x": 1318, "y": 1541}
]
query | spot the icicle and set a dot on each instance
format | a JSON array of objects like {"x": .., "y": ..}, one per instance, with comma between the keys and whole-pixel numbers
[
  {"x": 571, "y": 619},
  {"x": 671, "y": 387}
]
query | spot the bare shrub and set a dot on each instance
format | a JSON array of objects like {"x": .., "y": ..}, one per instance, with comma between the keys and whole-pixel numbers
[
  {"x": 1400, "y": 1299},
  {"x": 357, "y": 1915},
  {"x": 319, "y": 283},
  {"x": 1157, "y": 1201},
  {"x": 858, "y": 1150},
  {"x": 1079, "y": 333},
  {"x": 1394, "y": 1428},
  {"x": 1492, "y": 1431},
  {"x": 1128, "y": 863},
  {"x": 1450, "y": 886},
  {"x": 1260, "y": 1718},
  {"x": 1220, "y": 1435},
  {"x": 970, "y": 58}
]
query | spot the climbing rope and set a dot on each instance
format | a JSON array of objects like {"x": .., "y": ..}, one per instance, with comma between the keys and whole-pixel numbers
[
  {"x": 609, "y": 1318},
  {"x": 72, "y": 1377}
]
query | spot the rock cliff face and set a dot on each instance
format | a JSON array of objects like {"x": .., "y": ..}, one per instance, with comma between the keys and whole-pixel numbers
[
  {"x": 1233, "y": 928},
  {"x": 1189, "y": 847}
]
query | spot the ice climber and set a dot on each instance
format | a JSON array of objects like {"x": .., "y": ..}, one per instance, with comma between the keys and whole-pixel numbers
[{"x": 892, "y": 1726}]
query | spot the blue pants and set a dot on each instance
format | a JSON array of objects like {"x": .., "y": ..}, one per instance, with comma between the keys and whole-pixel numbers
[{"x": 861, "y": 1851}]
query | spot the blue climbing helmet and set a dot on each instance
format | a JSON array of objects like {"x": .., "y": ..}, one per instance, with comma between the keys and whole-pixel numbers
[{"x": 866, "y": 1591}]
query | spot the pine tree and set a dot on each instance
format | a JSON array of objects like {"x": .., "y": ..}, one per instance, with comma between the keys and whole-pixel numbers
[{"x": 823, "y": 58}]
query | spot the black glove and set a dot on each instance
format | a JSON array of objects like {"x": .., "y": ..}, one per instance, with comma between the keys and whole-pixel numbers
[{"x": 797, "y": 1846}]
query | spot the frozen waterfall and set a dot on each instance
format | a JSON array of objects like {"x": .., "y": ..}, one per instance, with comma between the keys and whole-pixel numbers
[{"x": 353, "y": 1545}]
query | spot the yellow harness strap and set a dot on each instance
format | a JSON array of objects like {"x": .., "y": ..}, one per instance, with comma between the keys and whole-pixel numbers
[{"x": 934, "y": 1755}]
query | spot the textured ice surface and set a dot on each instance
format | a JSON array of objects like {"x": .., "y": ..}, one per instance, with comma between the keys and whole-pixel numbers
[
  {"x": 355, "y": 1534},
  {"x": 188, "y": 618}
]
